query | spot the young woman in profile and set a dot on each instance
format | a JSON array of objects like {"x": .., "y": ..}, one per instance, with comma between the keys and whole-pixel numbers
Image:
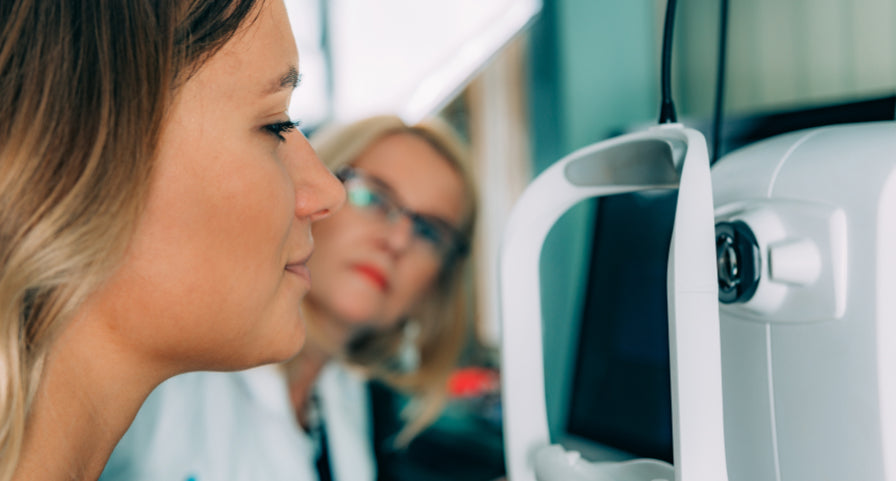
[
  {"x": 155, "y": 212},
  {"x": 389, "y": 301}
]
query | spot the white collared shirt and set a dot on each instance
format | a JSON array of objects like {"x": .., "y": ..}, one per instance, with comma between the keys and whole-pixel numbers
[{"x": 218, "y": 426}]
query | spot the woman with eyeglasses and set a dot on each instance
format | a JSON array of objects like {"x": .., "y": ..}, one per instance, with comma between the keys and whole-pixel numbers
[{"x": 387, "y": 301}]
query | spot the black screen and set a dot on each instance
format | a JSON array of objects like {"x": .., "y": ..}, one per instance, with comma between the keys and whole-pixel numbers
[{"x": 621, "y": 383}]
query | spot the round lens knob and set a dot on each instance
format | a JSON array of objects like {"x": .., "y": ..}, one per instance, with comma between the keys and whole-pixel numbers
[{"x": 737, "y": 261}]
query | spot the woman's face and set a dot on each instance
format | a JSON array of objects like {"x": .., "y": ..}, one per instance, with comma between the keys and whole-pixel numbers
[
  {"x": 369, "y": 272},
  {"x": 216, "y": 271}
]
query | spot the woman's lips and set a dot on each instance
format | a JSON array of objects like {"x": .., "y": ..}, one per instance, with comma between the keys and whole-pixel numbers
[
  {"x": 300, "y": 269},
  {"x": 375, "y": 275}
]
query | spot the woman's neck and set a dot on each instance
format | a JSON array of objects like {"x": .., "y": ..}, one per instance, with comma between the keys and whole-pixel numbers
[
  {"x": 88, "y": 396},
  {"x": 302, "y": 373},
  {"x": 303, "y": 370}
]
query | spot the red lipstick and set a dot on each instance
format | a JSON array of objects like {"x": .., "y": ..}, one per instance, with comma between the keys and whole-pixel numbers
[{"x": 375, "y": 275}]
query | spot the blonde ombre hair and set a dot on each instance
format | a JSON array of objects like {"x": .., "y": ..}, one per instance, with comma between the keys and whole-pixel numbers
[
  {"x": 443, "y": 316},
  {"x": 84, "y": 89}
]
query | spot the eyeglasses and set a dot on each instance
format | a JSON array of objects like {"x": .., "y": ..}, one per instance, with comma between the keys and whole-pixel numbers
[{"x": 375, "y": 198}]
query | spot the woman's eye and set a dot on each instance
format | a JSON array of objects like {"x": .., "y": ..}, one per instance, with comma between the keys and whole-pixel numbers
[
  {"x": 374, "y": 200},
  {"x": 280, "y": 128},
  {"x": 427, "y": 231},
  {"x": 378, "y": 201}
]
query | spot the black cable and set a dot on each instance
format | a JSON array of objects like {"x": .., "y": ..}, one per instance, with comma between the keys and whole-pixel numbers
[
  {"x": 667, "y": 109},
  {"x": 720, "y": 83}
]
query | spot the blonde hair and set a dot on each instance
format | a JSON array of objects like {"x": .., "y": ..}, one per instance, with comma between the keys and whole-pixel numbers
[
  {"x": 444, "y": 314},
  {"x": 84, "y": 88}
]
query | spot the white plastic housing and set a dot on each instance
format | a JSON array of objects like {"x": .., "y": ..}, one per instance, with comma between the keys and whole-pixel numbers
[
  {"x": 809, "y": 364},
  {"x": 662, "y": 157}
]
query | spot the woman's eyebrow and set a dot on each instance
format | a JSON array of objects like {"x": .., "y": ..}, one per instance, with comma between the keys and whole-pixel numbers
[
  {"x": 382, "y": 184},
  {"x": 288, "y": 80}
]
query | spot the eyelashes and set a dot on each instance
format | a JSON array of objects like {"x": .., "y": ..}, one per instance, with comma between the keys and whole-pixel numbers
[{"x": 280, "y": 128}]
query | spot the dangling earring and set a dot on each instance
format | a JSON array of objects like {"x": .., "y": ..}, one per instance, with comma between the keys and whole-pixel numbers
[{"x": 408, "y": 356}]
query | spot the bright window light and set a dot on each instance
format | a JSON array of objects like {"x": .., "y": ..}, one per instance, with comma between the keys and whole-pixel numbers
[{"x": 408, "y": 57}]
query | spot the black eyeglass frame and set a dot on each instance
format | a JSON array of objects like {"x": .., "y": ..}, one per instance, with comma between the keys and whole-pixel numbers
[{"x": 460, "y": 246}]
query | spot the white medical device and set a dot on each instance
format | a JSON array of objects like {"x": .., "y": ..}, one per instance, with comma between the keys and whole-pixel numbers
[
  {"x": 663, "y": 157},
  {"x": 807, "y": 243},
  {"x": 802, "y": 351}
]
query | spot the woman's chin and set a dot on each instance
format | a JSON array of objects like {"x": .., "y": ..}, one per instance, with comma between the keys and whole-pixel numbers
[
  {"x": 287, "y": 347},
  {"x": 277, "y": 349}
]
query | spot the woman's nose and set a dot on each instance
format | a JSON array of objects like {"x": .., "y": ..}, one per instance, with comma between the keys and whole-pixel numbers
[
  {"x": 400, "y": 233},
  {"x": 318, "y": 192}
]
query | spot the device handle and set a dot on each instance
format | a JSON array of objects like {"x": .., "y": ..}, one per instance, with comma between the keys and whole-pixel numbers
[
  {"x": 655, "y": 159},
  {"x": 695, "y": 356}
]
